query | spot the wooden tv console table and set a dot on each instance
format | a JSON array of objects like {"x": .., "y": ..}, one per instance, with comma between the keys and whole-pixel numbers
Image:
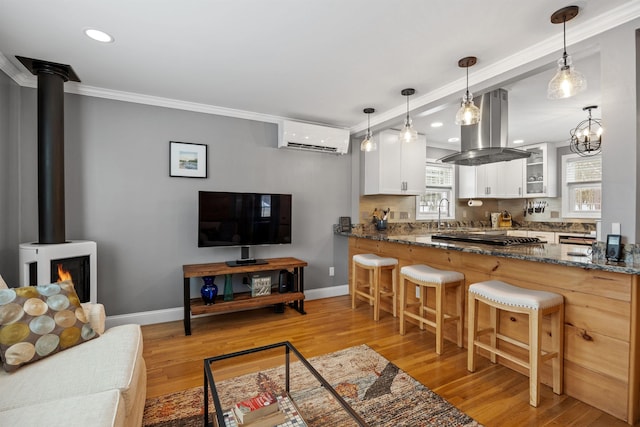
[{"x": 242, "y": 301}]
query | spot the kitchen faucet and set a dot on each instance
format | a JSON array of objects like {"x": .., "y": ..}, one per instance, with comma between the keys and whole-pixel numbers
[{"x": 439, "y": 205}]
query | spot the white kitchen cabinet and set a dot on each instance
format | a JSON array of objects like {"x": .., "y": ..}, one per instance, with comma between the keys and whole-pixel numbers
[
  {"x": 510, "y": 183},
  {"x": 476, "y": 181},
  {"x": 467, "y": 188},
  {"x": 487, "y": 180},
  {"x": 491, "y": 180},
  {"x": 545, "y": 236},
  {"x": 540, "y": 171},
  {"x": 395, "y": 168}
]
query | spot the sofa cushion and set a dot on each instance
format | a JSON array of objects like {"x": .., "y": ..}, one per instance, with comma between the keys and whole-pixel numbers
[
  {"x": 104, "y": 409},
  {"x": 111, "y": 361},
  {"x": 38, "y": 321},
  {"x": 96, "y": 316}
]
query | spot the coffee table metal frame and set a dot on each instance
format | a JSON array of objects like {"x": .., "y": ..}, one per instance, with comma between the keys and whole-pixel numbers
[{"x": 209, "y": 383}]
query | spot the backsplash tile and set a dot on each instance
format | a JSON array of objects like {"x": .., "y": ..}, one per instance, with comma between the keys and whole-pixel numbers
[
  {"x": 403, "y": 210},
  {"x": 426, "y": 227}
]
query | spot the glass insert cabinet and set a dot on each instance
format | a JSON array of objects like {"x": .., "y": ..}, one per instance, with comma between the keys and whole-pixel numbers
[{"x": 540, "y": 172}]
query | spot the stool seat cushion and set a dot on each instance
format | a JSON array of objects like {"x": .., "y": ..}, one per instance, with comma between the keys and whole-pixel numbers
[
  {"x": 504, "y": 293},
  {"x": 373, "y": 260},
  {"x": 424, "y": 273}
]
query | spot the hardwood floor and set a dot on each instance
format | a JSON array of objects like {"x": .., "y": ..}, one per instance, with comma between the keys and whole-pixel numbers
[{"x": 493, "y": 395}]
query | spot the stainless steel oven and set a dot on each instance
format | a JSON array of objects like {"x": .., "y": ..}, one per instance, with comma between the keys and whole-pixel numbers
[{"x": 576, "y": 244}]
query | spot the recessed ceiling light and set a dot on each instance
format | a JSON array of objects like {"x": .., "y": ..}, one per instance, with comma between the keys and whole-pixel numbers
[
  {"x": 454, "y": 139},
  {"x": 518, "y": 141},
  {"x": 98, "y": 35},
  {"x": 436, "y": 124}
]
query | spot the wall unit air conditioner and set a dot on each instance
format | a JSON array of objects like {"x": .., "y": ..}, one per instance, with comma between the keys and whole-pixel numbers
[{"x": 304, "y": 136}]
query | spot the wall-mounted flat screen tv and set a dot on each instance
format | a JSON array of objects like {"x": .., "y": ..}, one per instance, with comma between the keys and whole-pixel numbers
[{"x": 243, "y": 219}]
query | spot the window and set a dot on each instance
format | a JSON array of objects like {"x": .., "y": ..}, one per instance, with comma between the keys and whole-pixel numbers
[
  {"x": 582, "y": 186},
  {"x": 439, "y": 184},
  {"x": 265, "y": 205}
]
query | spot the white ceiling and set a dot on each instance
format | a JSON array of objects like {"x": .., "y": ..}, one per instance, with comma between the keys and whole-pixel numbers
[{"x": 320, "y": 61}]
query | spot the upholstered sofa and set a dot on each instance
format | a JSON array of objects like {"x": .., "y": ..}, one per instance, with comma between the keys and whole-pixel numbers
[{"x": 100, "y": 382}]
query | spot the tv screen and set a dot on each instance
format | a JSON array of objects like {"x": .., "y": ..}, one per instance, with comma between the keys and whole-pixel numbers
[{"x": 243, "y": 219}]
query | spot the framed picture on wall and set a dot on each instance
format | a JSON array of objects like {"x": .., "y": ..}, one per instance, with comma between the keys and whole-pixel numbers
[{"x": 188, "y": 160}]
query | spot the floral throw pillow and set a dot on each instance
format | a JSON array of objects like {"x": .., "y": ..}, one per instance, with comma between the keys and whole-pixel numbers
[{"x": 38, "y": 321}]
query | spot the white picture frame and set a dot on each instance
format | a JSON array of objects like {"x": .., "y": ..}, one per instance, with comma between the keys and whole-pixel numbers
[{"x": 188, "y": 160}]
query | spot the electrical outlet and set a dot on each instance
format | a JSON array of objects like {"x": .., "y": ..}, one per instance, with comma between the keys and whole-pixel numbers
[
  {"x": 615, "y": 228},
  {"x": 417, "y": 292},
  {"x": 332, "y": 271}
]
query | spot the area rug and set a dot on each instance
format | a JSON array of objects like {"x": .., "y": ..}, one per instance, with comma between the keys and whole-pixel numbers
[{"x": 378, "y": 390}]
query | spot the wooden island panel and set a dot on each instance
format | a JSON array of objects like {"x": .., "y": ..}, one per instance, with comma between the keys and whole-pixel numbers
[{"x": 600, "y": 315}]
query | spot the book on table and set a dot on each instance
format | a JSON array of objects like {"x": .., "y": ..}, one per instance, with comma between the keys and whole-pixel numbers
[
  {"x": 270, "y": 420},
  {"x": 287, "y": 414},
  {"x": 256, "y": 407}
]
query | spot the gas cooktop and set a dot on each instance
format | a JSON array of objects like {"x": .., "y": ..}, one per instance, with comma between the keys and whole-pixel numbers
[{"x": 487, "y": 239}]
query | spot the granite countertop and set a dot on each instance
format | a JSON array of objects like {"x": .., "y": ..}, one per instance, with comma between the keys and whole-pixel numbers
[{"x": 542, "y": 252}]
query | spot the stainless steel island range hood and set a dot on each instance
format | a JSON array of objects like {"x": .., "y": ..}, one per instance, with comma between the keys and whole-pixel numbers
[{"x": 486, "y": 142}]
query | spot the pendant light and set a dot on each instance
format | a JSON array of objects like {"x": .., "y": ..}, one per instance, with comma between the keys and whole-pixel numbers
[
  {"x": 368, "y": 143},
  {"x": 408, "y": 133},
  {"x": 567, "y": 81},
  {"x": 469, "y": 113},
  {"x": 587, "y": 136}
]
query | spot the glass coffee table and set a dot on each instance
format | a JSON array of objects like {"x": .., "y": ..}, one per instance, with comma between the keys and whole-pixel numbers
[{"x": 303, "y": 394}]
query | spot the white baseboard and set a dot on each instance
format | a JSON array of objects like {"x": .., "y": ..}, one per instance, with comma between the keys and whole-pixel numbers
[
  {"x": 173, "y": 314},
  {"x": 333, "y": 291}
]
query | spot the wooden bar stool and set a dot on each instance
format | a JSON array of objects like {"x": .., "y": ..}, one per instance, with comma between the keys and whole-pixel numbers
[
  {"x": 441, "y": 280},
  {"x": 536, "y": 304},
  {"x": 374, "y": 288}
]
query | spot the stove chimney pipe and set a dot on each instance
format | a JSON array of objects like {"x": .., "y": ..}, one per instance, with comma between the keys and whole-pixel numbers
[{"x": 51, "y": 209}]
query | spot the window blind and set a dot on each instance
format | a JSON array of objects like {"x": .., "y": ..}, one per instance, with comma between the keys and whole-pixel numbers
[{"x": 584, "y": 169}]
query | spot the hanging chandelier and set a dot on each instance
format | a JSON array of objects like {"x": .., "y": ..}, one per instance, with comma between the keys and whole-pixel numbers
[
  {"x": 469, "y": 113},
  {"x": 408, "y": 132},
  {"x": 567, "y": 81},
  {"x": 368, "y": 143},
  {"x": 587, "y": 136}
]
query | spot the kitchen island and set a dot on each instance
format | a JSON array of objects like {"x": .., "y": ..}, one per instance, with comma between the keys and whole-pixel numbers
[{"x": 601, "y": 308}]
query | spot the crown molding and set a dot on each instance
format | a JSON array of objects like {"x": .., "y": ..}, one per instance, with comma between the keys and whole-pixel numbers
[
  {"x": 137, "y": 98},
  {"x": 25, "y": 79},
  {"x": 21, "y": 78},
  {"x": 575, "y": 34}
]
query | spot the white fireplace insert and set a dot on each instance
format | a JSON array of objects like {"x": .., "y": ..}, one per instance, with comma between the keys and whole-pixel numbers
[{"x": 40, "y": 262}]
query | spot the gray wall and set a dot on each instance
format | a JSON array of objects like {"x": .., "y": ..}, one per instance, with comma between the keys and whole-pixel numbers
[
  {"x": 119, "y": 194},
  {"x": 620, "y": 153},
  {"x": 9, "y": 183}
]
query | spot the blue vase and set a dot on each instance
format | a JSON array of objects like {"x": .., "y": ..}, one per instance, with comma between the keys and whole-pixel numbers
[{"x": 209, "y": 290}]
